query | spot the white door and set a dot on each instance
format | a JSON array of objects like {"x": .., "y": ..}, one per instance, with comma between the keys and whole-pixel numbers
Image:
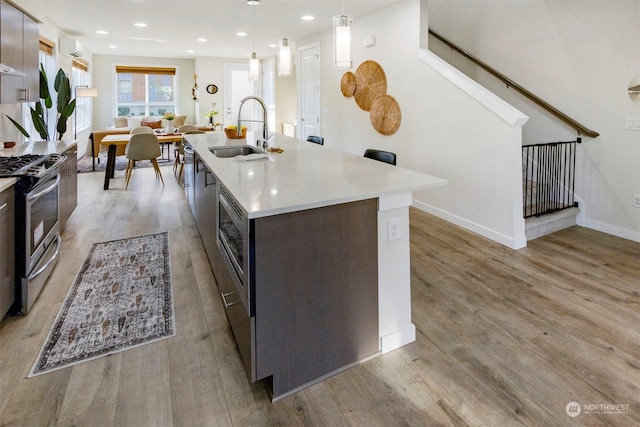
[
  {"x": 236, "y": 87},
  {"x": 309, "y": 91}
]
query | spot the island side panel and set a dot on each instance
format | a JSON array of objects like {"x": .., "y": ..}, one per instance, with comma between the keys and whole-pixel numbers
[
  {"x": 394, "y": 272},
  {"x": 316, "y": 290}
]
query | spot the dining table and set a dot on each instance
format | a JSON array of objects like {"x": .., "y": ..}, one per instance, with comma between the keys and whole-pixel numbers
[{"x": 113, "y": 141}]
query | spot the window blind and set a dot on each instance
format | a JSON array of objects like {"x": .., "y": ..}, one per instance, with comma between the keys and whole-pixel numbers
[
  {"x": 80, "y": 64},
  {"x": 46, "y": 45},
  {"x": 167, "y": 71}
]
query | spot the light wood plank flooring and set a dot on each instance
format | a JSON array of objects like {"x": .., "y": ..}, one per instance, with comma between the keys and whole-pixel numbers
[{"x": 504, "y": 338}]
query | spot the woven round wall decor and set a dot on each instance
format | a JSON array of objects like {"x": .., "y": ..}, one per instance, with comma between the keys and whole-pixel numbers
[
  {"x": 371, "y": 82},
  {"x": 348, "y": 84},
  {"x": 385, "y": 114}
]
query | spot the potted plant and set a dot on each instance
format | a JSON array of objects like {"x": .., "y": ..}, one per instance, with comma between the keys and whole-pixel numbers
[
  {"x": 169, "y": 116},
  {"x": 210, "y": 115},
  {"x": 64, "y": 105}
]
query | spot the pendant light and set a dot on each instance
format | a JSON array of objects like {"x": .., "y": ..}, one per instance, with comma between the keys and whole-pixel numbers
[
  {"x": 284, "y": 52},
  {"x": 342, "y": 40},
  {"x": 284, "y": 58},
  {"x": 254, "y": 63}
]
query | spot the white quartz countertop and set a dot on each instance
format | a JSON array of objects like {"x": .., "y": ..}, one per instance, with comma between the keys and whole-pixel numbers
[
  {"x": 304, "y": 176},
  {"x": 37, "y": 147}
]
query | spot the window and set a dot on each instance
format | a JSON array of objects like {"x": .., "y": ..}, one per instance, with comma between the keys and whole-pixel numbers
[
  {"x": 145, "y": 91},
  {"x": 80, "y": 78},
  {"x": 49, "y": 63}
]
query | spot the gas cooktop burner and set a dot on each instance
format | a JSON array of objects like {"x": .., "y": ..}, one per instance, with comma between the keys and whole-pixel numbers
[{"x": 29, "y": 164}]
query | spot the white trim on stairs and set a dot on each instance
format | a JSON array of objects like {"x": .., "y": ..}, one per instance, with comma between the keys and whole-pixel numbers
[{"x": 501, "y": 108}]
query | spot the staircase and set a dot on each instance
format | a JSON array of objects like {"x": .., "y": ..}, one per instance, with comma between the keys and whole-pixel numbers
[
  {"x": 538, "y": 226},
  {"x": 548, "y": 172}
]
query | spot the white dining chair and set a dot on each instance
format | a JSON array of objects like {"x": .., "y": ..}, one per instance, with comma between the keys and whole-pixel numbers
[
  {"x": 141, "y": 129},
  {"x": 142, "y": 146},
  {"x": 187, "y": 128}
]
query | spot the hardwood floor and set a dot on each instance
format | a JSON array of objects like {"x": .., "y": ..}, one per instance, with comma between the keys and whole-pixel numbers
[{"x": 504, "y": 338}]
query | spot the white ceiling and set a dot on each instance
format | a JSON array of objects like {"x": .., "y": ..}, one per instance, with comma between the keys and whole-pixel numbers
[{"x": 175, "y": 25}]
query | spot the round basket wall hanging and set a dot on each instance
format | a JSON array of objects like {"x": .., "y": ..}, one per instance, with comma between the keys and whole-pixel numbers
[
  {"x": 348, "y": 84},
  {"x": 385, "y": 115},
  {"x": 371, "y": 82}
]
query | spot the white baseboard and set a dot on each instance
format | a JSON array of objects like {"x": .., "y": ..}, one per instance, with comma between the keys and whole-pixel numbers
[
  {"x": 614, "y": 230},
  {"x": 398, "y": 338},
  {"x": 471, "y": 226}
]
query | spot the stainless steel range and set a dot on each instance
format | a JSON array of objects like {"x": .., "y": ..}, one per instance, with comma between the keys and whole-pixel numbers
[{"x": 37, "y": 230}]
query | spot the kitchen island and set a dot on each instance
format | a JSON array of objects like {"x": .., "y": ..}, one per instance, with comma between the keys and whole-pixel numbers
[{"x": 327, "y": 282}]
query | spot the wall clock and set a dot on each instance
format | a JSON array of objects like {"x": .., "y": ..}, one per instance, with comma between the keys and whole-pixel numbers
[{"x": 212, "y": 89}]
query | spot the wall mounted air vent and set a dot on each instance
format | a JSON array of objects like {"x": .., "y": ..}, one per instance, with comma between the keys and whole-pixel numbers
[{"x": 69, "y": 46}]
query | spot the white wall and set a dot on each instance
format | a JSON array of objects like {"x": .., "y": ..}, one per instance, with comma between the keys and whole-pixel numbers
[
  {"x": 286, "y": 99},
  {"x": 579, "y": 56},
  {"x": 211, "y": 71},
  {"x": 444, "y": 132}
]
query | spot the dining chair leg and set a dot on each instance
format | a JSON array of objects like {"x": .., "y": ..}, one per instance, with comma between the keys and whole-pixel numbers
[
  {"x": 127, "y": 174},
  {"x": 157, "y": 168},
  {"x": 176, "y": 162},
  {"x": 181, "y": 172}
]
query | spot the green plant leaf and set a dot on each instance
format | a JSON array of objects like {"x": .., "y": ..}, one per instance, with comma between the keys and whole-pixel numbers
[
  {"x": 38, "y": 122},
  {"x": 64, "y": 91},
  {"x": 17, "y": 125},
  {"x": 64, "y": 115},
  {"x": 44, "y": 88}
]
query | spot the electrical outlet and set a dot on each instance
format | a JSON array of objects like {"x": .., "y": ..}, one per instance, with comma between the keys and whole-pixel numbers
[
  {"x": 636, "y": 200},
  {"x": 393, "y": 228}
]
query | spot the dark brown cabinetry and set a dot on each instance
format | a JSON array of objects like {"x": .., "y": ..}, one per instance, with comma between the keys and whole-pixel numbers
[
  {"x": 316, "y": 293},
  {"x": 7, "y": 249},
  {"x": 205, "y": 214},
  {"x": 19, "y": 36},
  {"x": 68, "y": 185},
  {"x": 314, "y": 280}
]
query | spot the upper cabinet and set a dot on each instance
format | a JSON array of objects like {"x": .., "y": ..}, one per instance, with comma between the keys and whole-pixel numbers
[{"x": 19, "y": 55}]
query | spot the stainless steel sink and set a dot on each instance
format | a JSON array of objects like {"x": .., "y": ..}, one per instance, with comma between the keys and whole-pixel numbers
[{"x": 236, "y": 150}]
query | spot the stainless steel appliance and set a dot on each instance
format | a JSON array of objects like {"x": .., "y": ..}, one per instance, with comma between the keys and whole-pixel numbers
[
  {"x": 37, "y": 222},
  {"x": 233, "y": 238}
]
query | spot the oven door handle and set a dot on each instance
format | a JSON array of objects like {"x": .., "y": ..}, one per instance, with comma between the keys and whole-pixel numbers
[
  {"x": 46, "y": 190},
  {"x": 52, "y": 259}
]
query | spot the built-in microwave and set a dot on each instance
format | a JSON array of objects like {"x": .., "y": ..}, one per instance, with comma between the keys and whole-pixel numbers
[{"x": 233, "y": 236}]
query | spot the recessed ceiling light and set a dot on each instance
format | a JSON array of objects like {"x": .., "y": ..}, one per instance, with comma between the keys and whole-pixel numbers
[
  {"x": 191, "y": 51},
  {"x": 112, "y": 46},
  {"x": 140, "y": 24},
  {"x": 253, "y": 2},
  {"x": 202, "y": 40},
  {"x": 273, "y": 45},
  {"x": 102, "y": 32},
  {"x": 308, "y": 18},
  {"x": 241, "y": 34}
]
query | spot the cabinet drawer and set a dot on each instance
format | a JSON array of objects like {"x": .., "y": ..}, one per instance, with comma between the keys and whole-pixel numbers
[
  {"x": 242, "y": 326},
  {"x": 6, "y": 197},
  {"x": 7, "y": 249}
]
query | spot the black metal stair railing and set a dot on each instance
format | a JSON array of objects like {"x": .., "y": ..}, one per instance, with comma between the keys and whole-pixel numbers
[{"x": 548, "y": 176}]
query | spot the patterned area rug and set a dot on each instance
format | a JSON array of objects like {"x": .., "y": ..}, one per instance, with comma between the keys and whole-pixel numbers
[{"x": 120, "y": 299}]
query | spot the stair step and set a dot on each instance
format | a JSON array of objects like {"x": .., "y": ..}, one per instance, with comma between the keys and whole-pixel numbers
[{"x": 546, "y": 224}]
